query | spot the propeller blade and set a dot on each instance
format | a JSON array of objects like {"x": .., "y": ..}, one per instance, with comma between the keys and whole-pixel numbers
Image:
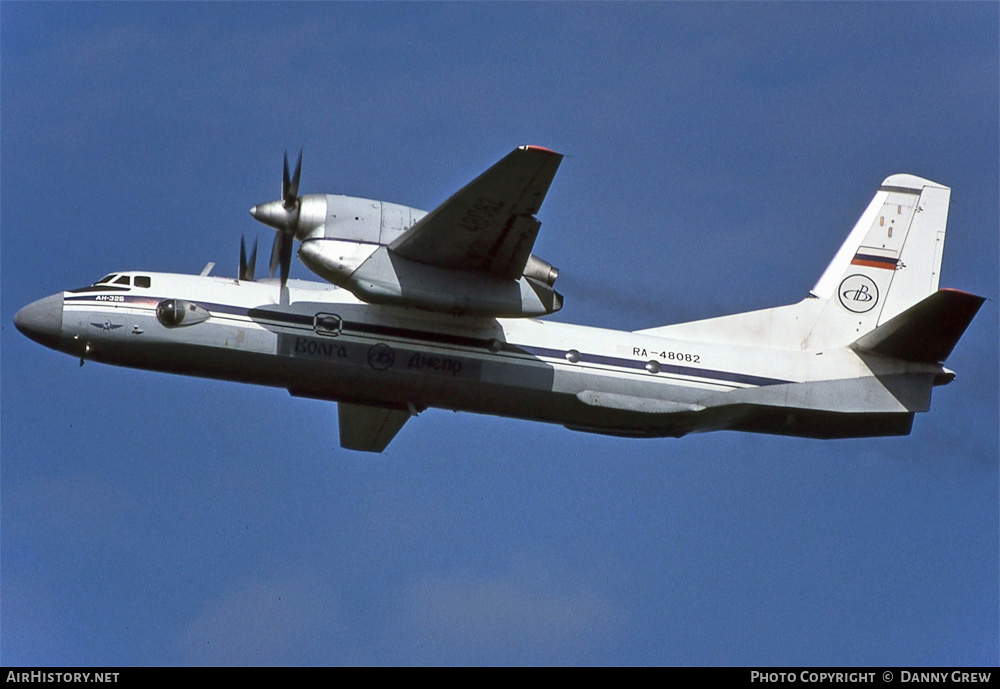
[
  {"x": 281, "y": 254},
  {"x": 247, "y": 267},
  {"x": 285, "y": 179},
  {"x": 290, "y": 186},
  {"x": 286, "y": 258},
  {"x": 275, "y": 253},
  {"x": 253, "y": 261}
]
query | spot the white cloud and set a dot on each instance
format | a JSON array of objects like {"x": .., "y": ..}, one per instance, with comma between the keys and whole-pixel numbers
[
  {"x": 534, "y": 605},
  {"x": 260, "y": 622}
]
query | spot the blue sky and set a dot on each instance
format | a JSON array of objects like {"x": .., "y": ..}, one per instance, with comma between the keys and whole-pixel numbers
[{"x": 716, "y": 157}]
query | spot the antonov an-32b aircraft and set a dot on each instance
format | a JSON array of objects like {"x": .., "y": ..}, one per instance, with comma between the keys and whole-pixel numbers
[{"x": 442, "y": 309}]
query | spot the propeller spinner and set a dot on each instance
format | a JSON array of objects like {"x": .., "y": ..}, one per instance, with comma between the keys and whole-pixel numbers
[{"x": 283, "y": 216}]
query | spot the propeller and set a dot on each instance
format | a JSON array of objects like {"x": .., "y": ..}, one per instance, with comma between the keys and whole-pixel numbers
[
  {"x": 290, "y": 188},
  {"x": 247, "y": 267},
  {"x": 281, "y": 252},
  {"x": 283, "y": 216}
]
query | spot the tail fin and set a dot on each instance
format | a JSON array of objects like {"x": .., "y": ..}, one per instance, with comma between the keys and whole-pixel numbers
[
  {"x": 890, "y": 261},
  {"x": 925, "y": 332}
]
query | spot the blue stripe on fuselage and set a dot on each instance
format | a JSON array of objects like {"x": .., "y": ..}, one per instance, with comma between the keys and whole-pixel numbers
[{"x": 305, "y": 321}]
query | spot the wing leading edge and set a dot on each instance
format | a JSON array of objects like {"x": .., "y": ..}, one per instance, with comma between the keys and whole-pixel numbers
[{"x": 488, "y": 225}]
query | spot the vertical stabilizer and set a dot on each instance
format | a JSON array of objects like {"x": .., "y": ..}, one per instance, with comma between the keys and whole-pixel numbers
[{"x": 890, "y": 261}]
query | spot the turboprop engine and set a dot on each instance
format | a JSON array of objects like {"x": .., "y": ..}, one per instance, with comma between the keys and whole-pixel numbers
[{"x": 354, "y": 243}]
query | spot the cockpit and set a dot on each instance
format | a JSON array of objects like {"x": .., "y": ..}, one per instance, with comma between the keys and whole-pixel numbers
[
  {"x": 124, "y": 280},
  {"x": 117, "y": 282}
]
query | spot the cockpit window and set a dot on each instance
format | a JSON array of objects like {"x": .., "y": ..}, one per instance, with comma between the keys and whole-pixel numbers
[
  {"x": 142, "y": 281},
  {"x": 123, "y": 280},
  {"x": 106, "y": 278}
]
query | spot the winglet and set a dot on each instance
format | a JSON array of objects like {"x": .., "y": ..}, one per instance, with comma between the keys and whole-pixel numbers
[{"x": 927, "y": 331}]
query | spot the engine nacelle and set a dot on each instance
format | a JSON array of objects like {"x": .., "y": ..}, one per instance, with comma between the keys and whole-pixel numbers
[
  {"x": 344, "y": 239},
  {"x": 377, "y": 276},
  {"x": 353, "y": 219}
]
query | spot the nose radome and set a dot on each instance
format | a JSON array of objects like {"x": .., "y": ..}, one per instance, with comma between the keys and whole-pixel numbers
[{"x": 42, "y": 320}]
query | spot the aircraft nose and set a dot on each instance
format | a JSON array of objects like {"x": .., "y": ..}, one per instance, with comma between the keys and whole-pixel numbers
[{"x": 42, "y": 320}]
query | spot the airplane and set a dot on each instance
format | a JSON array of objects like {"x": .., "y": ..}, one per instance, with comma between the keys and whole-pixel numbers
[{"x": 444, "y": 309}]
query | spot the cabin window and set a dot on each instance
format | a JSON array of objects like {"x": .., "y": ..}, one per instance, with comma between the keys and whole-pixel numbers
[
  {"x": 123, "y": 280},
  {"x": 142, "y": 281}
]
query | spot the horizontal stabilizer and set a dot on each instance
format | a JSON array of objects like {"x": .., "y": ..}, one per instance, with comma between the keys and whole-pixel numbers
[
  {"x": 368, "y": 429},
  {"x": 927, "y": 331}
]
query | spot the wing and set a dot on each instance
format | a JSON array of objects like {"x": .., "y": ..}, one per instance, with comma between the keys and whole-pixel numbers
[
  {"x": 489, "y": 225},
  {"x": 368, "y": 429}
]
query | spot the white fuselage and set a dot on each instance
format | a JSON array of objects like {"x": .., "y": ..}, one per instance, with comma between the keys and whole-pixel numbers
[{"x": 320, "y": 341}]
